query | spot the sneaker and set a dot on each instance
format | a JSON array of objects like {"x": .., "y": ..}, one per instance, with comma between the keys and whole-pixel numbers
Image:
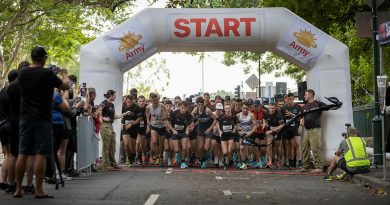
[
  {"x": 220, "y": 163},
  {"x": 341, "y": 176},
  {"x": 243, "y": 166},
  {"x": 64, "y": 177},
  {"x": 158, "y": 161},
  {"x": 259, "y": 165},
  {"x": 3, "y": 186},
  {"x": 184, "y": 165},
  {"x": 10, "y": 189},
  {"x": 269, "y": 165},
  {"x": 328, "y": 177},
  {"x": 278, "y": 164},
  {"x": 170, "y": 162},
  {"x": 203, "y": 165},
  {"x": 29, "y": 189},
  {"x": 238, "y": 165}
]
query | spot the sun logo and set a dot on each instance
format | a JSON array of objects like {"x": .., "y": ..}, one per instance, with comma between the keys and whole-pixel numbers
[
  {"x": 129, "y": 41},
  {"x": 306, "y": 38}
]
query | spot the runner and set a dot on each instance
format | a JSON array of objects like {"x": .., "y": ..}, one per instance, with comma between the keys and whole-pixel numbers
[
  {"x": 216, "y": 140},
  {"x": 282, "y": 134},
  {"x": 168, "y": 145},
  {"x": 294, "y": 139},
  {"x": 180, "y": 121},
  {"x": 156, "y": 115},
  {"x": 130, "y": 125},
  {"x": 204, "y": 117},
  {"x": 275, "y": 122},
  {"x": 248, "y": 126},
  {"x": 260, "y": 137},
  {"x": 142, "y": 135},
  {"x": 226, "y": 125}
]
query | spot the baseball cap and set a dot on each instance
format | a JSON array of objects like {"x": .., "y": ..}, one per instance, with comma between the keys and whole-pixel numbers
[
  {"x": 219, "y": 106},
  {"x": 256, "y": 102},
  {"x": 250, "y": 101}
]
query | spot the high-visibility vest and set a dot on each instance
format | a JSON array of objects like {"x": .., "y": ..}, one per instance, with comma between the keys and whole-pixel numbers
[{"x": 356, "y": 155}]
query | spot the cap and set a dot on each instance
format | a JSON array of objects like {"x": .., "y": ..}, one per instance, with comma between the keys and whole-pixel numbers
[
  {"x": 219, "y": 106},
  {"x": 256, "y": 102},
  {"x": 249, "y": 101}
]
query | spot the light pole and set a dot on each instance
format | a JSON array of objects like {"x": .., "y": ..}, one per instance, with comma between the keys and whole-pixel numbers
[
  {"x": 259, "y": 77},
  {"x": 376, "y": 121}
]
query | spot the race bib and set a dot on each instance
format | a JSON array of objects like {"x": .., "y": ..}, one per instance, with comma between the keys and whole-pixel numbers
[
  {"x": 129, "y": 122},
  {"x": 142, "y": 124},
  {"x": 259, "y": 122},
  {"x": 179, "y": 127},
  {"x": 227, "y": 128}
]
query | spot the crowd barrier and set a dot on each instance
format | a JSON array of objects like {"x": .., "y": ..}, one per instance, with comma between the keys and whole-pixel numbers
[{"x": 87, "y": 144}]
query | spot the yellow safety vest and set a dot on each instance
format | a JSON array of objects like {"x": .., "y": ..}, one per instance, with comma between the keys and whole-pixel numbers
[{"x": 356, "y": 155}]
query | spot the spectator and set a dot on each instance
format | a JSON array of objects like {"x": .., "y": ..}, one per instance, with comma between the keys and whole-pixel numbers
[
  {"x": 107, "y": 132},
  {"x": 36, "y": 86}
]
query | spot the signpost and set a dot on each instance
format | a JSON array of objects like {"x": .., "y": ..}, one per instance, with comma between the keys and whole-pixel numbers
[{"x": 252, "y": 82}]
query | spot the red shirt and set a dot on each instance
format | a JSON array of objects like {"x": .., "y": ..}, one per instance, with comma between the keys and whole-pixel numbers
[
  {"x": 98, "y": 123},
  {"x": 260, "y": 120}
]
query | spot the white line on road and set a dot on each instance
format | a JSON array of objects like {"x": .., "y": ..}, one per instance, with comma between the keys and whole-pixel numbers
[
  {"x": 218, "y": 177},
  {"x": 169, "y": 170},
  {"x": 152, "y": 199},
  {"x": 227, "y": 192}
]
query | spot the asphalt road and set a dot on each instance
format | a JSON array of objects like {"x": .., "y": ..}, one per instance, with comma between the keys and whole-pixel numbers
[{"x": 195, "y": 186}]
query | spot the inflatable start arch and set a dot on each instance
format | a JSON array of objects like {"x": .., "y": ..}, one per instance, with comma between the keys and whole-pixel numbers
[{"x": 325, "y": 60}]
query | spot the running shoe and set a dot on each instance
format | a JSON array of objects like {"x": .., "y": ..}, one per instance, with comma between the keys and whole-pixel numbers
[
  {"x": 328, "y": 177},
  {"x": 278, "y": 164},
  {"x": 170, "y": 162},
  {"x": 259, "y": 165},
  {"x": 203, "y": 165},
  {"x": 238, "y": 165},
  {"x": 341, "y": 176},
  {"x": 269, "y": 165},
  {"x": 158, "y": 161},
  {"x": 243, "y": 166},
  {"x": 184, "y": 165}
]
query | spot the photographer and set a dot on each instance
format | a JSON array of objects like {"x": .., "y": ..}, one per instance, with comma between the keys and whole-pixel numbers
[
  {"x": 351, "y": 156},
  {"x": 36, "y": 133}
]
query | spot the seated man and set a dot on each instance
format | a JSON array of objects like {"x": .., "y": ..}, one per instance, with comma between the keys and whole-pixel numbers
[{"x": 351, "y": 156}]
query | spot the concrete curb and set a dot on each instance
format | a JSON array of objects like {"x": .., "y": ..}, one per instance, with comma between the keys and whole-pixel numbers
[{"x": 375, "y": 184}]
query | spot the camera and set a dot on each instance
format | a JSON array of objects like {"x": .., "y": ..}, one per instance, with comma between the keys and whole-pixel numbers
[
  {"x": 345, "y": 134},
  {"x": 54, "y": 69}
]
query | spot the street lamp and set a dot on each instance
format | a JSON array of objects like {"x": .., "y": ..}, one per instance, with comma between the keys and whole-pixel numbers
[{"x": 382, "y": 86}]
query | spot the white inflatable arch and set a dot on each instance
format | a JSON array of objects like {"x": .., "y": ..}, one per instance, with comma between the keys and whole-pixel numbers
[{"x": 325, "y": 60}]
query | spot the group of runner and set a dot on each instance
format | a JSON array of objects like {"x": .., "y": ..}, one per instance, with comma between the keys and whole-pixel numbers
[{"x": 185, "y": 133}]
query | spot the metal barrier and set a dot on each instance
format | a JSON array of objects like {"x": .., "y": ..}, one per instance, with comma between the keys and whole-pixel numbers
[{"x": 87, "y": 144}]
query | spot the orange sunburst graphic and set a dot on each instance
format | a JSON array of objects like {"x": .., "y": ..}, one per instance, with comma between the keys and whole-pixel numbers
[
  {"x": 306, "y": 38},
  {"x": 128, "y": 41}
]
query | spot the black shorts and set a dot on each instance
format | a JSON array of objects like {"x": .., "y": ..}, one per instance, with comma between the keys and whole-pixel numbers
[
  {"x": 229, "y": 136},
  {"x": 290, "y": 133},
  {"x": 260, "y": 136},
  {"x": 36, "y": 137},
  {"x": 142, "y": 131},
  {"x": 5, "y": 133},
  {"x": 276, "y": 136},
  {"x": 200, "y": 131},
  {"x": 161, "y": 131},
  {"x": 59, "y": 135},
  {"x": 217, "y": 138},
  {"x": 14, "y": 137},
  {"x": 192, "y": 135},
  {"x": 132, "y": 132},
  {"x": 179, "y": 136},
  {"x": 237, "y": 138}
]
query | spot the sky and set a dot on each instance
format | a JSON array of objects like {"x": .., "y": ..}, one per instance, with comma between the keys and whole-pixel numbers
[{"x": 186, "y": 70}]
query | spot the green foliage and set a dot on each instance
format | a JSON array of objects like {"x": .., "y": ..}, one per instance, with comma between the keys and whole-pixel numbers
[
  {"x": 336, "y": 17},
  {"x": 150, "y": 76},
  {"x": 221, "y": 93}
]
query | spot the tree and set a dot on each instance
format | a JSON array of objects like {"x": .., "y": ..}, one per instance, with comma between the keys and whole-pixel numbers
[
  {"x": 221, "y": 93},
  {"x": 150, "y": 76},
  {"x": 333, "y": 17},
  {"x": 62, "y": 26}
]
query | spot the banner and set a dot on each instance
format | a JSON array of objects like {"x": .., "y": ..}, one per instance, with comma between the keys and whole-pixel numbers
[
  {"x": 384, "y": 33},
  {"x": 130, "y": 44},
  {"x": 303, "y": 42}
]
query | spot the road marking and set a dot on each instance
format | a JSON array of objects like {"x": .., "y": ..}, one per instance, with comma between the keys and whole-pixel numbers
[
  {"x": 227, "y": 192},
  {"x": 169, "y": 170},
  {"x": 152, "y": 199},
  {"x": 239, "y": 178},
  {"x": 260, "y": 192},
  {"x": 218, "y": 177}
]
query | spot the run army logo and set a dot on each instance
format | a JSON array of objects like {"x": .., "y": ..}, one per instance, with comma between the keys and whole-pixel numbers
[
  {"x": 128, "y": 42},
  {"x": 306, "y": 38},
  {"x": 303, "y": 42}
]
